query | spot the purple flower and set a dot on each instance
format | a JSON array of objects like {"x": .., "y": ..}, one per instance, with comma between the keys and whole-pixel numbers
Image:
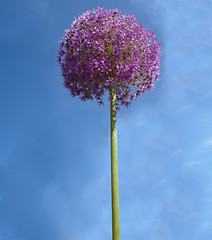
[{"x": 105, "y": 48}]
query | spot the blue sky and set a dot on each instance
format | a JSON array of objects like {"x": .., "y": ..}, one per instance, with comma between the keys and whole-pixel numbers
[{"x": 54, "y": 149}]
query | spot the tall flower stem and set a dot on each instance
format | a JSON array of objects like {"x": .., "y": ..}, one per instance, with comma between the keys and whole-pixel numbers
[{"x": 114, "y": 167}]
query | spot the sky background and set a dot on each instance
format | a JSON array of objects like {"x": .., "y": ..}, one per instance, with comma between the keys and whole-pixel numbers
[{"x": 55, "y": 149}]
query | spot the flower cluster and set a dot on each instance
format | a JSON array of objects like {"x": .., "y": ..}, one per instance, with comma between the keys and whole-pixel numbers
[{"x": 105, "y": 48}]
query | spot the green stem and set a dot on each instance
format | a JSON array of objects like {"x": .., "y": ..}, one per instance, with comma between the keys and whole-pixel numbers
[{"x": 114, "y": 167}]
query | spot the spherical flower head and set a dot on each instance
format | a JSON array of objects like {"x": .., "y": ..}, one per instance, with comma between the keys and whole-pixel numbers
[{"x": 104, "y": 49}]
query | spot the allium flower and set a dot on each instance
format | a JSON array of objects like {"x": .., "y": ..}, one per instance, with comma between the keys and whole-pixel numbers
[{"x": 106, "y": 49}]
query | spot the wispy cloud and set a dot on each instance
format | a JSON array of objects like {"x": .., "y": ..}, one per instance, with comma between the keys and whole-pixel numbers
[
  {"x": 189, "y": 217},
  {"x": 204, "y": 147},
  {"x": 158, "y": 146},
  {"x": 206, "y": 224},
  {"x": 160, "y": 183},
  {"x": 175, "y": 153},
  {"x": 139, "y": 123},
  {"x": 198, "y": 162},
  {"x": 207, "y": 143},
  {"x": 181, "y": 109}
]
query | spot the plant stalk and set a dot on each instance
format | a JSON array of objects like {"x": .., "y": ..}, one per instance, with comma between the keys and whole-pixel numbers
[{"x": 114, "y": 167}]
